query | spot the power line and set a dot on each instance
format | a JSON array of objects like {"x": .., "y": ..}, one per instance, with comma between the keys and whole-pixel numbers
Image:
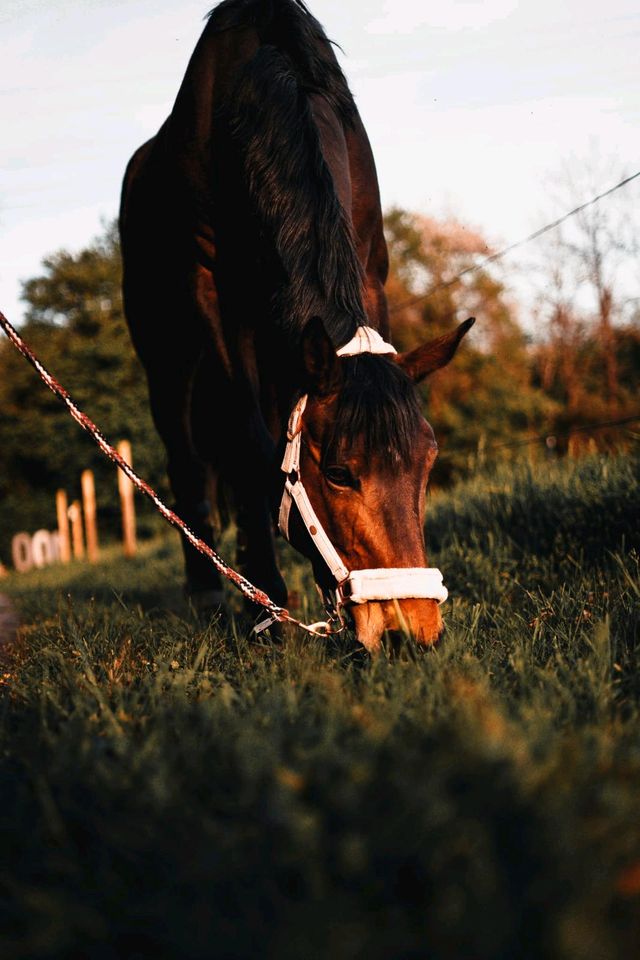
[
  {"x": 513, "y": 246},
  {"x": 585, "y": 428}
]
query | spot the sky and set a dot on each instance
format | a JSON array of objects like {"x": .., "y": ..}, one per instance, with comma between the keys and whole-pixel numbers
[{"x": 470, "y": 105}]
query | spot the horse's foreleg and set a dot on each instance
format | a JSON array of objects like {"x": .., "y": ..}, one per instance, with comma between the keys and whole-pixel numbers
[
  {"x": 256, "y": 546},
  {"x": 171, "y": 409}
]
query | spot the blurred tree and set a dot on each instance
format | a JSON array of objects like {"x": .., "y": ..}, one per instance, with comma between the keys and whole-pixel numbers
[
  {"x": 487, "y": 394},
  {"x": 559, "y": 355},
  {"x": 589, "y": 271},
  {"x": 501, "y": 386},
  {"x": 75, "y": 324}
]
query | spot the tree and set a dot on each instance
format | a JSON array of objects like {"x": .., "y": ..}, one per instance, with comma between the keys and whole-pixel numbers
[
  {"x": 592, "y": 256},
  {"x": 487, "y": 394},
  {"x": 75, "y": 324}
]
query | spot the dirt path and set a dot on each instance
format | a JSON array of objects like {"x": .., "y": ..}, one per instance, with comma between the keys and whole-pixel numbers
[{"x": 8, "y": 628}]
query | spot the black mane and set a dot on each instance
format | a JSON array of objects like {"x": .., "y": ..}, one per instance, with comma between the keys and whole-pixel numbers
[
  {"x": 291, "y": 28},
  {"x": 378, "y": 406},
  {"x": 270, "y": 120}
]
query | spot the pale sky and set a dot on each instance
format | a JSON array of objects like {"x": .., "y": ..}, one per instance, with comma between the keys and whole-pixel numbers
[{"x": 469, "y": 104}]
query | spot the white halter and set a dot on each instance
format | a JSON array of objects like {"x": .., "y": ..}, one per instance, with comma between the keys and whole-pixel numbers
[{"x": 355, "y": 586}]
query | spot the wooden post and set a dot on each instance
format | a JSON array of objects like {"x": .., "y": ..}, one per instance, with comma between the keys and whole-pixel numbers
[
  {"x": 126, "y": 490},
  {"x": 77, "y": 536},
  {"x": 62, "y": 512},
  {"x": 89, "y": 508},
  {"x": 42, "y": 549},
  {"x": 21, "y": 552}
]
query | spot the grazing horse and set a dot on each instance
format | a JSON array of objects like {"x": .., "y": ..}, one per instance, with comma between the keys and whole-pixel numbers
[{"x": 254, "y": 270}]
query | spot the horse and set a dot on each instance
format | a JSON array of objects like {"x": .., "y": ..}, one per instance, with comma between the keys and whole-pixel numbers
[{"x": 254, "y": 264}]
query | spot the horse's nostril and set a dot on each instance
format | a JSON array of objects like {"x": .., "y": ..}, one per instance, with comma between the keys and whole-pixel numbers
[
  {"x": 418, "y": 621},
  {"x": 396, "y": 642},
  {"x": 397, "y": 625}
]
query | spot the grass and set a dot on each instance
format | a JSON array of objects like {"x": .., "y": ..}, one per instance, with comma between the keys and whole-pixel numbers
[{"x": 171, "y": 790}]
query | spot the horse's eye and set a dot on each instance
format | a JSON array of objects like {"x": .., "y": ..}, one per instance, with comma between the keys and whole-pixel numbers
[{"x": 340, "y": 476}]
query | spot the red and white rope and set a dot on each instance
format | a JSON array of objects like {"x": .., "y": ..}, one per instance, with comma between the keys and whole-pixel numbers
[{"x": 250, "y": 591}]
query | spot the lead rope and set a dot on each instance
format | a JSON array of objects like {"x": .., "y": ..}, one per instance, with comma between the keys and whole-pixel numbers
[{"x": 253, "y": 593}]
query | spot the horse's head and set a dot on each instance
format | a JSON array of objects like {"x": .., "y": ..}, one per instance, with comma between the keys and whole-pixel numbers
[{"x": 358, "y": 461}]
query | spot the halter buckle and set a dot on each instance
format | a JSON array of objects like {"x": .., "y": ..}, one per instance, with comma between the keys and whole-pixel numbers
[{"x": 295, "y": 420}]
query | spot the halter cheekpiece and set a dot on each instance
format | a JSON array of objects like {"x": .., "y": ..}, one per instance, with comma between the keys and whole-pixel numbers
[{"x": 353, "y": 586}]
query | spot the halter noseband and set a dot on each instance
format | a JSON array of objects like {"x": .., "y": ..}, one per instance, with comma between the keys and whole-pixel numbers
[{"x": 355, "y": 586}]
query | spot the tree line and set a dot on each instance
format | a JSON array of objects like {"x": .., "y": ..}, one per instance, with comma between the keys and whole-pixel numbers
[{"x": 572, "y": 360}]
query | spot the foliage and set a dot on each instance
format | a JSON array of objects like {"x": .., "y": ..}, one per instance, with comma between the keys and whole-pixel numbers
[
  {"x": 75, "y": 324},
  {"x": 569, "y": 366},
  {"x": 500, "y": 388},
  {"x": 488, "y": 392},
  {"x": 587, "y": 296},
  {"x": 171, "y": 790}
]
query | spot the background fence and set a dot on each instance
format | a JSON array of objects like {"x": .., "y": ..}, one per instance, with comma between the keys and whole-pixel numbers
[{"x": 76, "y": 536}]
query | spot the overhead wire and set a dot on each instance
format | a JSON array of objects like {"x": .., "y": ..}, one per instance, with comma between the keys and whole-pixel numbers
[{"x": 444, "y": 284}]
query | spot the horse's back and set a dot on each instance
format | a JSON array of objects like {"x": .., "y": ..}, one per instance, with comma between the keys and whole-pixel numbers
[{"x": 198, "y": 271}]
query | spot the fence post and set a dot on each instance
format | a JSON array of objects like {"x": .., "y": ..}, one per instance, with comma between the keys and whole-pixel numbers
[
  {"x": 89, "y": 507},
  {"x": 62, "y": 513},
  {"x": 77, "y": 537},
  {"x": 42, "y": 549},
  {"x": 21, "y": 553},
  {"x": 127, "y": 505}
]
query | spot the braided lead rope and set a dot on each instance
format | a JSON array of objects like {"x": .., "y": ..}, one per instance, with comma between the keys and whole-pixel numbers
[{"x": 250, "y": 591}]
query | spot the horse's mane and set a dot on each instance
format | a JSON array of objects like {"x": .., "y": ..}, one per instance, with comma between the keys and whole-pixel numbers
[
  {"x": 378, "y": 408},
  {"x": 290, "y": 27},
  {"x": 271, "y": 122}
]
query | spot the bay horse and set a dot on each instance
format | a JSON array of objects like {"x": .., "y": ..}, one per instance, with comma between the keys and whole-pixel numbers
[{"x": 254, "y": 267}]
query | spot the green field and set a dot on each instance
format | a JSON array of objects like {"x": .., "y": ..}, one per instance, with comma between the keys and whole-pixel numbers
[{"x": 171, "y": 790}]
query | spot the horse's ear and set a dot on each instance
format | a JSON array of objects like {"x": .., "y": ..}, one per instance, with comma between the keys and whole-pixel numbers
[
  {"x": 321, "y": 365},
  {"x": 428, "y": 358}
]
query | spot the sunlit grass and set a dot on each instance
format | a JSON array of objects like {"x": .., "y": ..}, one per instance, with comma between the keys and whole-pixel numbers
[{"x": 171, "y": 789}]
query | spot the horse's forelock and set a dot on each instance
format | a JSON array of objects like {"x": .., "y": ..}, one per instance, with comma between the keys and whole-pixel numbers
[{"x": 377, "y": 411}]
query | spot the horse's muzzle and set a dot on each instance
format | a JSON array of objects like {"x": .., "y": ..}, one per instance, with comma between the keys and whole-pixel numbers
[{"x": 417, "y": 620}]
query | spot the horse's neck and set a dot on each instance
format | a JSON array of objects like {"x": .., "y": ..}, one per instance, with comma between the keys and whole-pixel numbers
[{"x": 211, "y": 73}]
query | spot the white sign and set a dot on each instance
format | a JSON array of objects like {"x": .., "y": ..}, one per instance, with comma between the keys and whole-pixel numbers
[{"x": 40, "y": 550}]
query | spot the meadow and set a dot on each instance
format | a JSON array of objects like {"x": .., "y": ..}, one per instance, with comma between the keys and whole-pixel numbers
[{"x": 169, "y": 789}]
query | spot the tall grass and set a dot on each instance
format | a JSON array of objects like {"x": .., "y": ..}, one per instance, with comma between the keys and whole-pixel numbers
[{"x": 171, "y": 790}]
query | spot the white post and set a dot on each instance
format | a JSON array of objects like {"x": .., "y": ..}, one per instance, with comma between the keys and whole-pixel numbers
[
  {"x": 77, "y": 536},
  {"x": 62, "y": 512},
  {"x": 89, "y": 506},
  {"x": 126, "y": 490}
]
